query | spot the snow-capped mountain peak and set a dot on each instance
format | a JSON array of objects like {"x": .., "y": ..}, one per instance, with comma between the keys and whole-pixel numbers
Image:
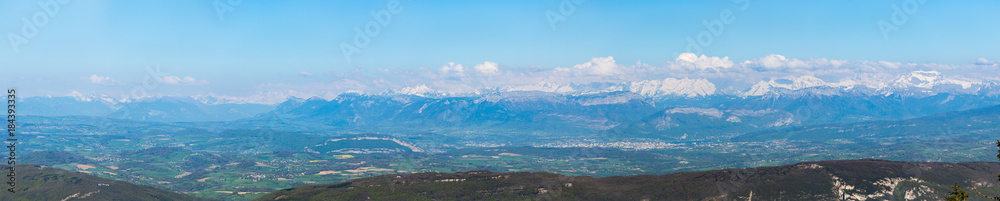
[
  {"x": 922, "y": 82},
  {"x": 419, "y": 90},
  {"x": 671, "y": 86},
  {"x": 795, "y": 83},
  {"x": 927, "y": 80}
]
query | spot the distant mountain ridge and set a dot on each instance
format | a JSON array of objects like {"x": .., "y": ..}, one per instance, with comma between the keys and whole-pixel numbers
[
  {"x": 163, "y": 109},
  {"x": 621, "y": 110},
  {"x": 919, "y": 83},
  {"x": 174, "y": 109},
  {"x": 616, "y": 113}
]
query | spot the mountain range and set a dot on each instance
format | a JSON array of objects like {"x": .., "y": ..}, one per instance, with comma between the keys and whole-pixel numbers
[
  {"x": 618, "y": 113},
  {"x": 914, "y": 85}
]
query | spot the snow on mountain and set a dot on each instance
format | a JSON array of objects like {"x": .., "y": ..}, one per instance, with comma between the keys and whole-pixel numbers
[
  {"x": 419, "y": 90},
  {"x": 795, "y": 83},
  {"x": 758, "y": 89},
  {"x": 924, "y": 80},
  {"x": 76, "y": 95},
  {"x": 695, "y": 87},
  {"x": 671, "y": 86},
  {"x": 79, "y": 96},
  {"x": 927, "y": 80}
]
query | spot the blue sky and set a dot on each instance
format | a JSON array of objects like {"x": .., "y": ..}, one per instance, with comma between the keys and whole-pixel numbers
[{"x": 259, "y": 42}]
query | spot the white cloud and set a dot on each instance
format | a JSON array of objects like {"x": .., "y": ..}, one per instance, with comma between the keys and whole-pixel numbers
[
  {"x": 170, "y": 79},
  {"x": 305, "y": 74},
  {"x": 777, "y": 61},
  {"x": 985, "y": 62},
  {"x": 774, "y": 61},
  {"x": 97, "y": 79},
  {"x": 888, "y": 64},
  {"x": 452, "y": 67},
  {"x": 692, "y": 61},
  {"x": 598, "y": 66},
  {"x": 488, "y": 68}
]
